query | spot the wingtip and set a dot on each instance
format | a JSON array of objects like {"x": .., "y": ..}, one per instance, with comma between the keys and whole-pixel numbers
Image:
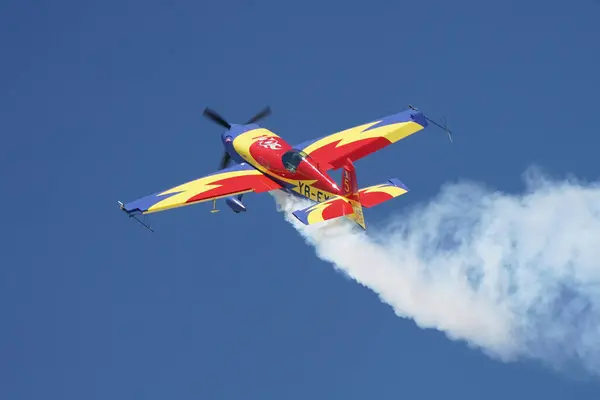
[
  {"x": 398, "y": 183},
  {"x": 128, "y": 211},
  {"x": 301, "y": 215}
]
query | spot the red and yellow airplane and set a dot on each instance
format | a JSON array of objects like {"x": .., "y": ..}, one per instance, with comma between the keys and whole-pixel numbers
[{"x": 263, "y": 161}]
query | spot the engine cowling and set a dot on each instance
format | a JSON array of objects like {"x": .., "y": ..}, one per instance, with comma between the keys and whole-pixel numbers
[{"x": 235, "y": 204}]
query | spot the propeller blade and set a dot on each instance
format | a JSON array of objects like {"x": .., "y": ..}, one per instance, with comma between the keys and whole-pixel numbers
[
  {"x": 225, "y": 160},
  {"x": 214, "y": 116},
  {"x": 264, "y": 113}
]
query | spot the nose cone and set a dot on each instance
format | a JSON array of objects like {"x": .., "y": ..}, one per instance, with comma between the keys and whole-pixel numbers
[
  {"x": 227, "y": 138},
  {"x": 229, "y": 135}
]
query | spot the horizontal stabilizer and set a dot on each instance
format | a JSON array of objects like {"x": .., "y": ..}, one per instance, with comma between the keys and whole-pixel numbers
[
  {"x": 339, "y": 206},
  {"x": 374, "y": 195},
  {"x": 333, "y": 208}
]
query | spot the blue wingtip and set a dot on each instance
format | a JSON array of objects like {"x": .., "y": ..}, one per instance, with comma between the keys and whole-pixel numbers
[
  {"x": 301, "y": 215},
  {"x": 419, "y": 118},
  {"x": 398, "y": 183},
  {"x": 130, "y": 212}
]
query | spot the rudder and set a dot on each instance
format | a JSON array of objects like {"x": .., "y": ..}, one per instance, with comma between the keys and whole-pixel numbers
[{"x": 351, "y": 192}]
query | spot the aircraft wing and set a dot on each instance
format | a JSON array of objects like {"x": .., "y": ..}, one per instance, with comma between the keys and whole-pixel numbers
[
  {"x": 237, "y": 179},
  {"x": 357, "y": 142}
]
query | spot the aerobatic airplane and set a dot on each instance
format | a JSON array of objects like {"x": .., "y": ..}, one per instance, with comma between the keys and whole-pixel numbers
[{"x": 264, "y": 161}]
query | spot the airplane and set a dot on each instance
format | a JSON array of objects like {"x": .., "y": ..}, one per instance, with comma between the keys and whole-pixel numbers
[{"x": 258, "y": 160}]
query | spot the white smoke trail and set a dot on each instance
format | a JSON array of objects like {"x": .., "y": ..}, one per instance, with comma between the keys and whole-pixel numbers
[{"x": 515, "y": 275}]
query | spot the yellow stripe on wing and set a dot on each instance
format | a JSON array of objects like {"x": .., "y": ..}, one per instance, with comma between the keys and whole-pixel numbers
[
  {"x": 201, "y": 185},
  {"x": 393, "y": 191},
  {"x": 351, "y": 133}
]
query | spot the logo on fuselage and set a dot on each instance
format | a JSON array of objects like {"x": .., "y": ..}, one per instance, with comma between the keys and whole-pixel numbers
[{"x": 270, "y": 143}]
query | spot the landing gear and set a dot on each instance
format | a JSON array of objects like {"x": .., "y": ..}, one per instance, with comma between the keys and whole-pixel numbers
[{"x": 214, "y": 209}]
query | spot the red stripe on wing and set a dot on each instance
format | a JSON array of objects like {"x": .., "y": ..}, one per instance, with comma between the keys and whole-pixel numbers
[
  {"x": 234, "y": 185},
  {"x": 335, "y": 156}
]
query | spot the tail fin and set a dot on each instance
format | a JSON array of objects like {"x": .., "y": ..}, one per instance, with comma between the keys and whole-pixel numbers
[
  {"x": 352, "y": 200},
  {"x": 351, "y": 192}
]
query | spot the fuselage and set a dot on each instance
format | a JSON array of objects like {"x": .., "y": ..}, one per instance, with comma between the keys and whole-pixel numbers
[{"x": 295, "y": 170}]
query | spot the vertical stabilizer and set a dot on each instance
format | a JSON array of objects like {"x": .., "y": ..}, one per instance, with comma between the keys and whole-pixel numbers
[{"x": 351, "y": 193}]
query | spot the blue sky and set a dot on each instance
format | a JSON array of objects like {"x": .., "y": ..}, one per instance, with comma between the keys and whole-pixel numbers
[{"x": 102, "y": 101}]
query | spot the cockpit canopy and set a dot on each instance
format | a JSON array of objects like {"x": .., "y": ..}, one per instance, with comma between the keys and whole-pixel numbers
[{"x": 293, "y": 158}]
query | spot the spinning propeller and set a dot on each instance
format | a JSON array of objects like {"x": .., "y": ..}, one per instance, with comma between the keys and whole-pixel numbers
[{"x": 218, "y": 119}]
